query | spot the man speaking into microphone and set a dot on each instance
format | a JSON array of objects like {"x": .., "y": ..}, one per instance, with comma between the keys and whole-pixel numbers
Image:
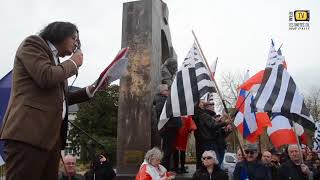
[{"x": 35, "y": 124}]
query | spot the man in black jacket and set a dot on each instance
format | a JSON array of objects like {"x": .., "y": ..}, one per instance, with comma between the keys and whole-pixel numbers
[
  {"x": 207, "y": 128},
  {"x": 169, "y": 131},
  {"x": 219, "y": 143},
  {"x": 294, "y": 169},
  {"x": 272, "y": 166}
]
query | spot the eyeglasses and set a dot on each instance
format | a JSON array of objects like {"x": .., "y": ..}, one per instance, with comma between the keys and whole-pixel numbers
[
  {"x": 249, "y": 152},
  {"x": 204, "y": 158}
]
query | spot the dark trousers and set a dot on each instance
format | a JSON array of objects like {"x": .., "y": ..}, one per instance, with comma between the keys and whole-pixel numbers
[
  {"x": 24, "y": 161},
  {"x": 168, "y": 146},
  {"x": 220, "y": 151},
  {"x": 179, "y": 156}
]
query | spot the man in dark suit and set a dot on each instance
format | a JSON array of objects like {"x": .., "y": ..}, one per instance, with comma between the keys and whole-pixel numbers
[
  {"x": 294, "y": 168},
  {"x": 35, "y": 123}
]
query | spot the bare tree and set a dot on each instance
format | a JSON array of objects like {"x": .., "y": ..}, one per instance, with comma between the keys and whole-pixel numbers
[
  {"x": 313, "y": 102},
  {"x": 228, "y": 85}
]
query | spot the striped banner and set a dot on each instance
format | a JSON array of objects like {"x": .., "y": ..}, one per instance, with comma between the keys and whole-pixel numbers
[
  {"x": 192, "y": 82},
  {"x": 278, "y": 93}
]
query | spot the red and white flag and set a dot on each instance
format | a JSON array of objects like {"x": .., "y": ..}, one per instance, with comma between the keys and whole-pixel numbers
[
  {"x": 115, "y": 69},
  {"x": 281, "y": 132}
]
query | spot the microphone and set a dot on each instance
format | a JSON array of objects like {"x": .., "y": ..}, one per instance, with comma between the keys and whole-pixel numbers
[{"x": 78, "y": 48}]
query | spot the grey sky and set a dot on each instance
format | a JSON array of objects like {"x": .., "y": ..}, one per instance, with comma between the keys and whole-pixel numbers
[{"x": 238, "y": 32}]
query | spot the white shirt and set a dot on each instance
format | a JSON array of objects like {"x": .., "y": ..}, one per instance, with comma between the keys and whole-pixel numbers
[{"x": 55, "y": 57}]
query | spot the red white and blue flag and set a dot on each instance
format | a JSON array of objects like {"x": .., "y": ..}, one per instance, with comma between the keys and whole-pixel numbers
[
  {"x": 249, "y": 123},
  {"x": 5, "y": 91}
]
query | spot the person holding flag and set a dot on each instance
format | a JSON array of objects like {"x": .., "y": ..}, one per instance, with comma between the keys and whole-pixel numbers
[{"x": 208, "y": 126}]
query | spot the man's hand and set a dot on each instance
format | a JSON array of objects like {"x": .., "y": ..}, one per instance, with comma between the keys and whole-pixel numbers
[
  {"x": 93, "y": 86},
  {"x": 305, "y": 169},
  {"x": 226, "y": 118},
  {"x": 228, "y": 128},
  {"x": 77, "y": 58}
]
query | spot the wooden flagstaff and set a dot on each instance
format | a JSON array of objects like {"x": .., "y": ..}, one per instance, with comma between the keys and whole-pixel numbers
[
  {"x": 260, "y": 146},
  {"x": 298, "y": 143},
  {"x": 280, "y": 46},
  {"x": 214, "y": 81},
  {"x": 219, "y": 93}
]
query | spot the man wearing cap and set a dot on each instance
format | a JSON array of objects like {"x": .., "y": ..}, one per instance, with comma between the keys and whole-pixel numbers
[
  {"x": 207, "y": 126},
  {"x": 250, "y": 168},
  {"x": 219, "y": 144}
]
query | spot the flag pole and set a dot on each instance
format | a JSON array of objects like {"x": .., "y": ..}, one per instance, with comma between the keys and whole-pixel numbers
[
  {"x": 295, "y": 132},
  {"x": 214, "y": 81},
  {"x": 280, "y": 46},
  {"x": 219, "y": 93}
]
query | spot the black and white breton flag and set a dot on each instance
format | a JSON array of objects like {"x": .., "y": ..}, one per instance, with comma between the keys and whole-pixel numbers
[
  {"x": 316, "y": 144},
  {"x": 192, "y": 82},
  {"x": 278, "y": 93}
]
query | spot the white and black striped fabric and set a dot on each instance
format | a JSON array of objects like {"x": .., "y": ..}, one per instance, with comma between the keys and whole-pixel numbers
[
  {"x": 278, "y": 93},
  {"x": 316, "y": 145},
  {"x": 191, "y": 83}
]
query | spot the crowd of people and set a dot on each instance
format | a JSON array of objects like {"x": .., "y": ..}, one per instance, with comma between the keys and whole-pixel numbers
[
  {"x": 210, "y": 131},
  {"x": 100, "y": 169},
  {"x": 36, "y": 124},
  {"x": 293, "y": 164},
  {"x": 250, "y": 165}
]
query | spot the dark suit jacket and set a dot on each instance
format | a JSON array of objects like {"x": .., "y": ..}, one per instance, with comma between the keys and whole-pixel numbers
[
  {"x": 290, "y": 171},
  {"x": 34, "y": 113}
]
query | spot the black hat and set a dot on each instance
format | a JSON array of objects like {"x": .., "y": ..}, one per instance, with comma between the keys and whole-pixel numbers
[{"x": 251, "y": 147}]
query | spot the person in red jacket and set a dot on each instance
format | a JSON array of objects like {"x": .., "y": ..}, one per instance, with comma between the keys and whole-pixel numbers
[
  {"x": 181, "y": 141},
  {"x": 151, "y": 169}
]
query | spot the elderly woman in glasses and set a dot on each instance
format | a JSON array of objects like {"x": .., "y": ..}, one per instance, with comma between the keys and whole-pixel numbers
[
  {"x": 151, "y": 169},
  {"x": 210, "y": 169}
]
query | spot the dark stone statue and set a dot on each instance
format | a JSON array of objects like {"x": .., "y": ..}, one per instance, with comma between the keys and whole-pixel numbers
[{"x": 168, "y": 71}]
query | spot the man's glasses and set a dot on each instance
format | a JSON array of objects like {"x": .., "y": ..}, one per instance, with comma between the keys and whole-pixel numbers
[
  {"x": 204, "y": 158},
  {"x": 249, "y": 152}
]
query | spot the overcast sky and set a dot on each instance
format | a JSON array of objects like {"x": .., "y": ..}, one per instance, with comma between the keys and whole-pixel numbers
[{"x": 238, "y": 32}]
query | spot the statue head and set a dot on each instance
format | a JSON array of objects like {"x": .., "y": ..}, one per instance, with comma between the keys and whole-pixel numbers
[{"x": 171, "y": 64}]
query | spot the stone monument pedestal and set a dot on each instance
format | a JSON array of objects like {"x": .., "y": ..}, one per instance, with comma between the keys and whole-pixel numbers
[{"x": 146, "y": 32}]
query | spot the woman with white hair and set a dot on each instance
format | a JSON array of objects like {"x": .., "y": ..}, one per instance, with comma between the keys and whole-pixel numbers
[
  {"x": 210, "y": 169},
  {"x": 151, "y": 169}
]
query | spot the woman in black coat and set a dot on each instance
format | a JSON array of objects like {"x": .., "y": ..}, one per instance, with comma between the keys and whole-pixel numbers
[
  {"x": 100, "y": 169},
  {"x": 210, "y": 169}
]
